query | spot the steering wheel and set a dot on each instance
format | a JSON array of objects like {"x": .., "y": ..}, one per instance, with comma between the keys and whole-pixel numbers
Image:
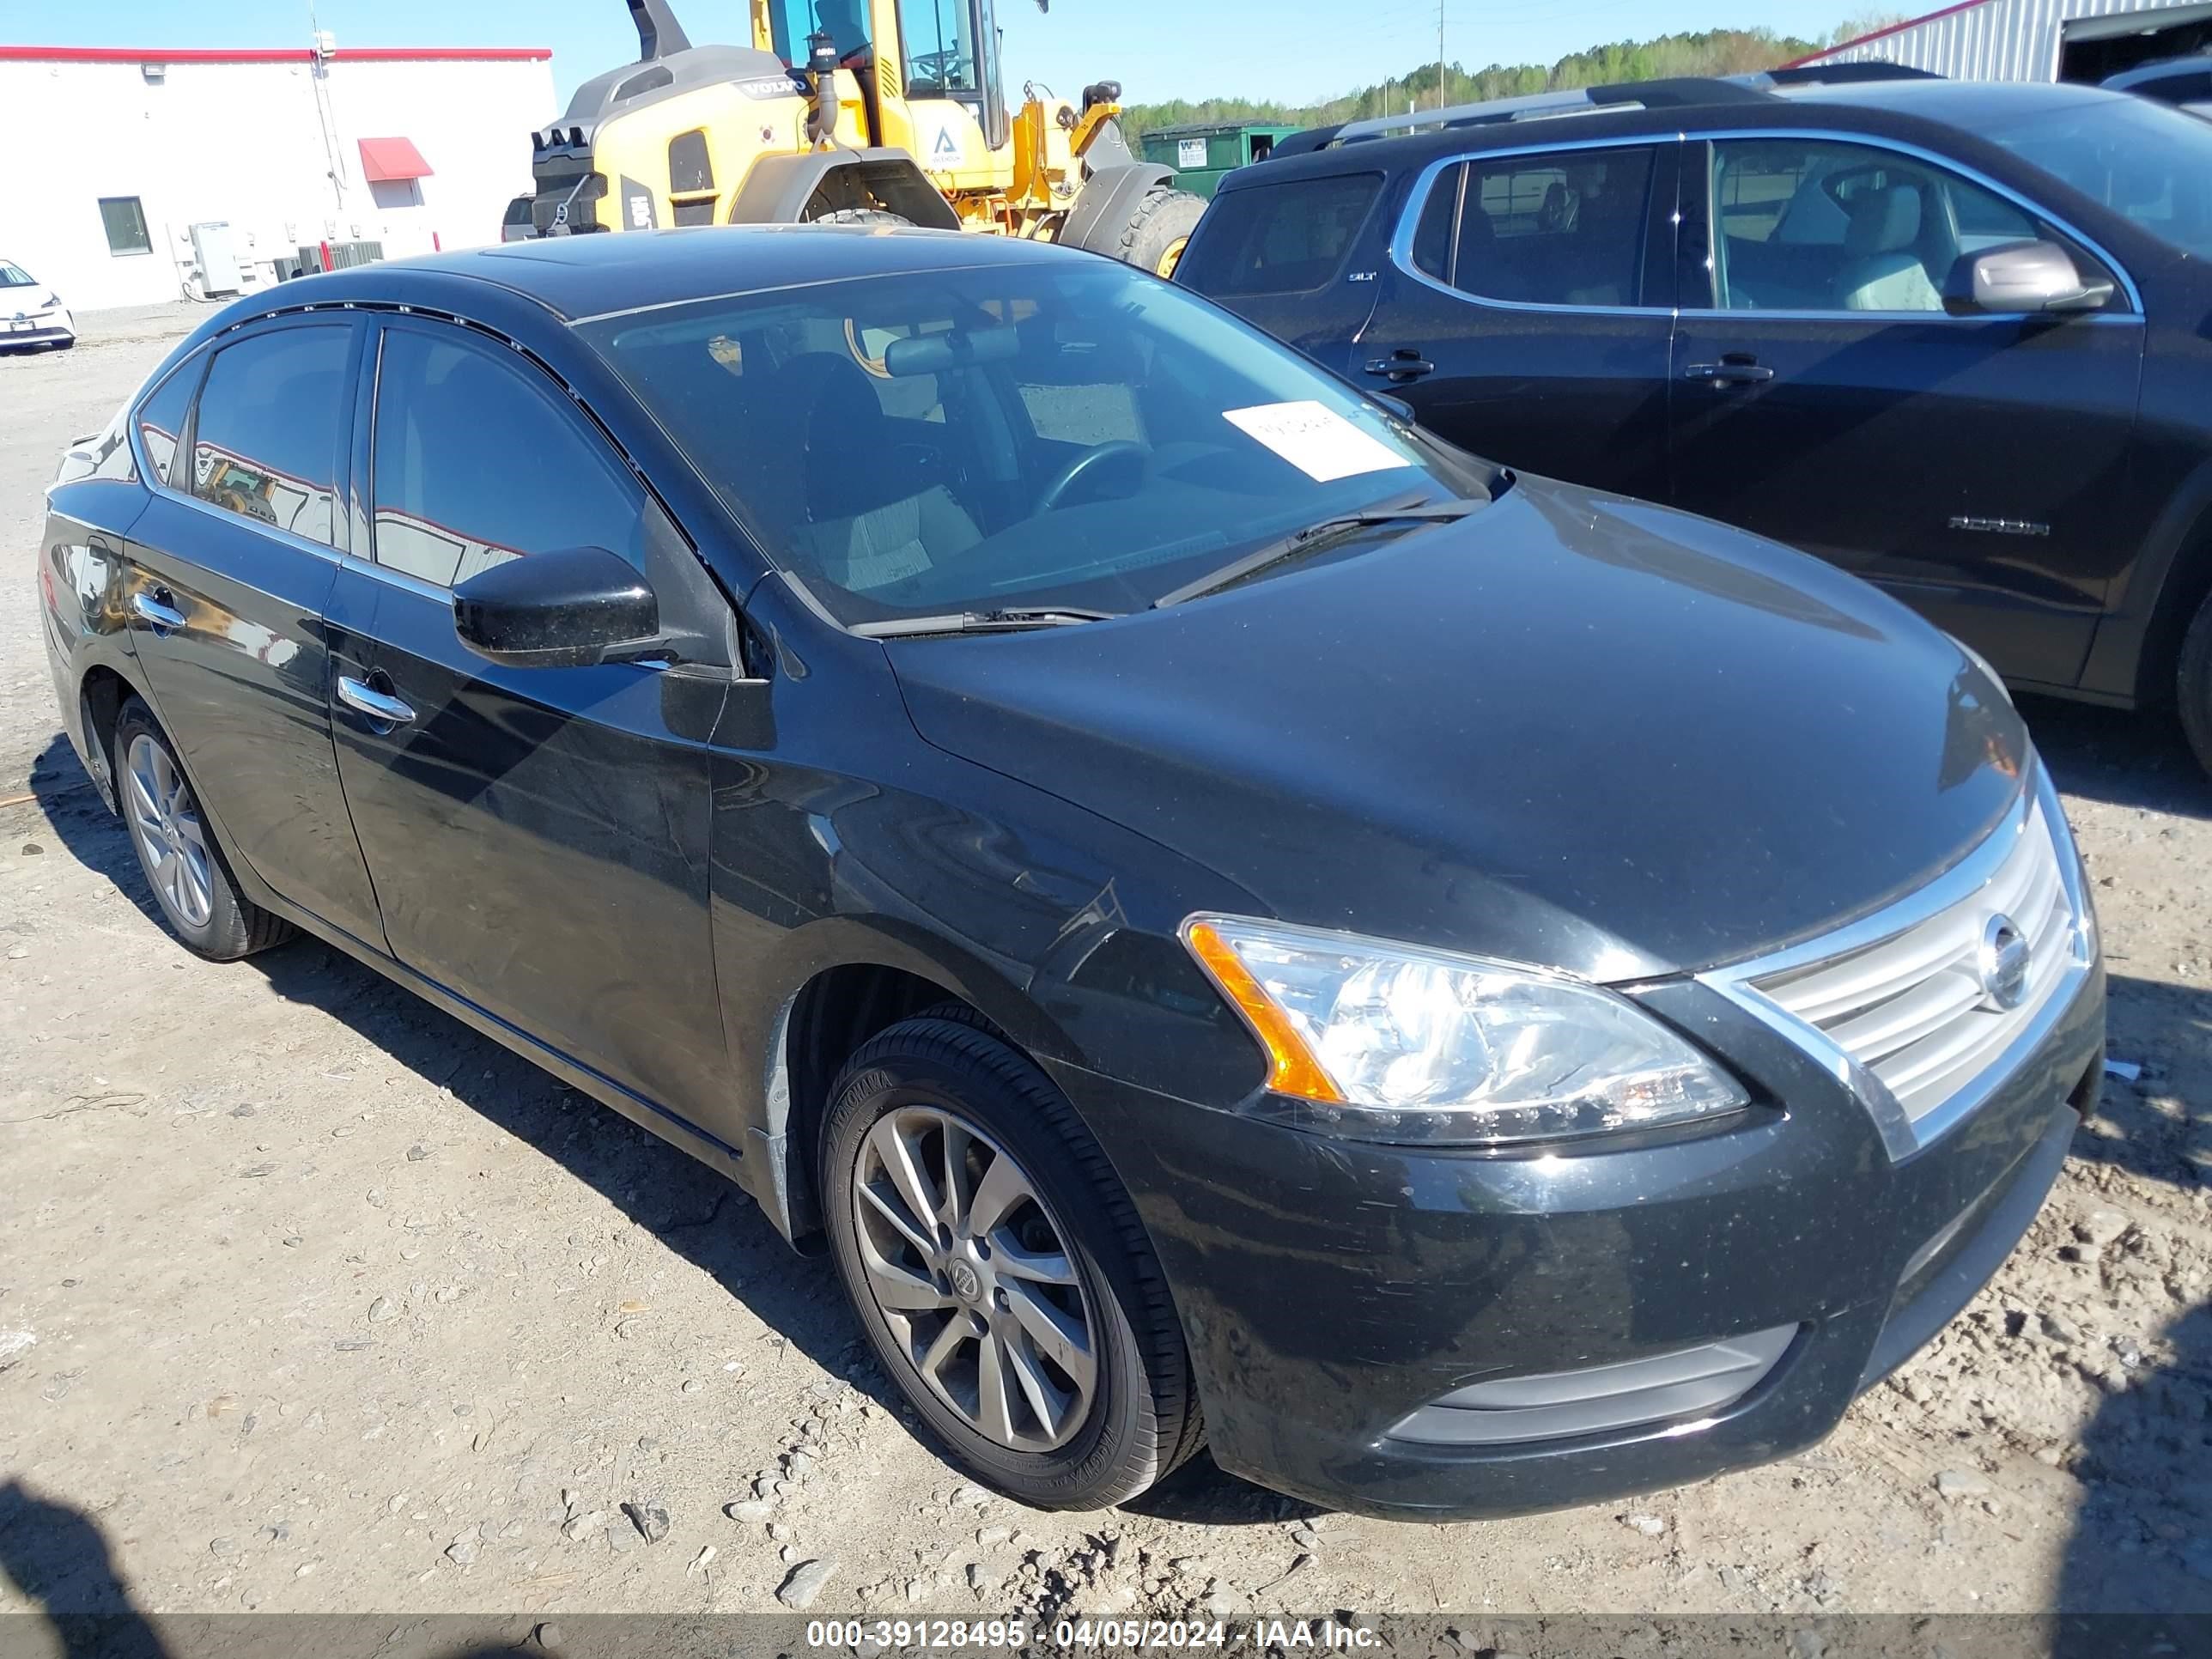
[{"x": 1118, "y": 449}]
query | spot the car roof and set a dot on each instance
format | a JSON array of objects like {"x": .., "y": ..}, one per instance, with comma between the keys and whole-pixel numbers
[
  {"x": 588, "y": 275},
  {"x": 1905, "y": 102}
]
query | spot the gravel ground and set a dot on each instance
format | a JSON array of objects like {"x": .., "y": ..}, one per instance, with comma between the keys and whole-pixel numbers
[{"x": 312, "y": 1299}]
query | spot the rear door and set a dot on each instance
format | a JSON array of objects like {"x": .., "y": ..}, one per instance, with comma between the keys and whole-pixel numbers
[
  {"x": 230, "y": 568},
  {"x": 539, "y": 837},
  {"x": 1822, "y": 395},
  {"x": 1526, "y": 310},
  {"x": 1279, "y": 256}
]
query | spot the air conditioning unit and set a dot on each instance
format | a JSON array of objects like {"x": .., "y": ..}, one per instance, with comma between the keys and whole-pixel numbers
[
  {"x": 343, "y": 256},
  {"x": 215, "y": 257}
]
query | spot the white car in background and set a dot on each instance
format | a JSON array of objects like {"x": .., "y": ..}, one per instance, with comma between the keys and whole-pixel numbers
[{"x": 31, "y": 314}]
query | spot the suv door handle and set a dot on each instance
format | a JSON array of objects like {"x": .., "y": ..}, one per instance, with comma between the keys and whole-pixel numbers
[
  {"x": 380, "y": 706},
  {"x": 158, "y": 609},
  {"x": 1406, "y": 363},
  {"x": 1729, "y": 373}
]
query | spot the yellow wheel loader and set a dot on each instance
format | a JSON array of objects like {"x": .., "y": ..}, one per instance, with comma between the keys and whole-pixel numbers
[{"x": 851, "y": 111}]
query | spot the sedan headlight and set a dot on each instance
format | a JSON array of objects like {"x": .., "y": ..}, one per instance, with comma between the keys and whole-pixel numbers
[{"x": 1399, "y": 1043}]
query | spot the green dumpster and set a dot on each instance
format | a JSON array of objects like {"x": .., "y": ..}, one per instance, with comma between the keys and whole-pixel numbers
[{"x": 1200, "y": 154}]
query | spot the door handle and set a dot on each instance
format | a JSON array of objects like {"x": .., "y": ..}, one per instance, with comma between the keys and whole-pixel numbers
[
  {"x": 158, "y": 609},
  {"x": 1728, "y": 374},
  {"x": 1406, "y": 363},
  {"x": 380, "y": 706}
]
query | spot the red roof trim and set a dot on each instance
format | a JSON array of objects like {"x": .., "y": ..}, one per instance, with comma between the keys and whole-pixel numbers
[
  {"x": 272, "y": 54},
  {"x": 1882, "y": 33}
]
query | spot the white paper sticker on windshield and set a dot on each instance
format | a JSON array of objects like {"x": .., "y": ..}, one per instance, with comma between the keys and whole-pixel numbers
[{"x": 1317, "y": 440}]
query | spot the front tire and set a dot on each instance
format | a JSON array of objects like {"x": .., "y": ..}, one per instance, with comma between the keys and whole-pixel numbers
[
  {"x": 999, "y": 1269},
  {"x": 193, "y": 887}
]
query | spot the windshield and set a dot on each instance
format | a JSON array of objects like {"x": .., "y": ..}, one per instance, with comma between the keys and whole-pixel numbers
[
  {"x": 2149, "y": 163},
  {"x": 14, "y": 276},
  {"x": 1073, "y": 434}
]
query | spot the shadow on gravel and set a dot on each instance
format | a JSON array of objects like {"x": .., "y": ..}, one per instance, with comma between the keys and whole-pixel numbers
[
  {"x": 58, "y": 1558},
  {"x": 2125, "y": 759},
  {"x": 688, "y": 1207},
  {"x": 2146, "y": 1472},
  {"x": 2146, "y": 1127}
]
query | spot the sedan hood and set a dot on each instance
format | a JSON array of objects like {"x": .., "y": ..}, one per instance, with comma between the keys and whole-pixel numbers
[{"x": 1572, "y": 729}]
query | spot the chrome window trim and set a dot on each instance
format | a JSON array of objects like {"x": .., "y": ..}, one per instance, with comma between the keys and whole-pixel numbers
[
  {"x": 1401, "y": 239},
  {"x": 204, "y": 355},
  {"x": 1944, "y": 163},
  {"x": 1902, "y": 1136}
]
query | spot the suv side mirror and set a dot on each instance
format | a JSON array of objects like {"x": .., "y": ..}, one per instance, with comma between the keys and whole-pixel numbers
[
  {"x": 2019, "y": 276},
  {"x": 567, "y": 610}
]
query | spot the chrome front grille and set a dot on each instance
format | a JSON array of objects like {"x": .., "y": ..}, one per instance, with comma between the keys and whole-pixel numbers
[{"x": 1926, "y": 1007}]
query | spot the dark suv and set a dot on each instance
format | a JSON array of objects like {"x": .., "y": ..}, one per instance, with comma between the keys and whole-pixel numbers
[{"x": 1948, "y": 335}]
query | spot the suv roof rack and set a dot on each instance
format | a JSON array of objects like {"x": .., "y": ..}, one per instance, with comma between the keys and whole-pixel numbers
[
  {"x": 1685, "y": 92},
  {"x": 1843, "y": 75}
]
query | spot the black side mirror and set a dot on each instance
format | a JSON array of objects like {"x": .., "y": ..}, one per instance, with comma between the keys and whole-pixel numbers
[
  {"x": 2019, "y": 276},
  {"x": 567, "y": 610}
]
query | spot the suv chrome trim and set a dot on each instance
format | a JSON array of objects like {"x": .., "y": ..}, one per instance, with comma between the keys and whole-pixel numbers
[
  {"x": 1401, "y": 239},
  {"x": 1902, "y": 1133}
]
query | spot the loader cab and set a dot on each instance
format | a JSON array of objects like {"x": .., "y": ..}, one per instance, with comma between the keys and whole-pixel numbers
[{"x": 952, "y": 56}]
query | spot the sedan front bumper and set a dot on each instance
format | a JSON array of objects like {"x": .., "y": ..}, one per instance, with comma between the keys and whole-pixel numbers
[{"x": 1372, "y": 1326}]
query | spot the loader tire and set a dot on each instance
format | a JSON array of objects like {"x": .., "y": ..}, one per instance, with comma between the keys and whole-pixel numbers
[
  {"x": 1158, "y": 226},
  {"x": 863, "y": 217}
]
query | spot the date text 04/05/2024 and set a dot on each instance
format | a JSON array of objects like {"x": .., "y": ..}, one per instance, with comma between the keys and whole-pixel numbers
[{"x": 900, "y": 1635}]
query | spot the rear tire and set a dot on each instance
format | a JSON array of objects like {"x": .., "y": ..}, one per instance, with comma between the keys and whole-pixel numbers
[
  {"x": 1158, "y": 226},
  {"x": 1053, "y": 1304},
  {"x": 2193, "y": 683},
  {"x": 192, "y": 886}
]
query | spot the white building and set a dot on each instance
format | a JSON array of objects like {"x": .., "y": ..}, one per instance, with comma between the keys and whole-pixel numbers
[
  {"x": 116, "y": 155},
  {"x": 2034, "y": 39}
]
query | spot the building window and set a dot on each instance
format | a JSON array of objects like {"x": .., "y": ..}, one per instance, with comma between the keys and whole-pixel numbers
[{"x": 126, "y": 225}]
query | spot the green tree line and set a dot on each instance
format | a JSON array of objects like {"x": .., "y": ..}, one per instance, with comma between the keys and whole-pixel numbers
[{"x": 1709, "y": 52}]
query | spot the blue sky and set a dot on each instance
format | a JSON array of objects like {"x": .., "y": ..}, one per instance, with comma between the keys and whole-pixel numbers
[{"x": 1296, "y": 50}]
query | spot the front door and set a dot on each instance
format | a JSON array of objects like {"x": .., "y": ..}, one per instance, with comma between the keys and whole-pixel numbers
[
  {"x": 1526, "y": 312},
  {"x": 231, "y": 563},
  {"x": 539, "y": 837},
  {"x": 1823, "y": 396}
]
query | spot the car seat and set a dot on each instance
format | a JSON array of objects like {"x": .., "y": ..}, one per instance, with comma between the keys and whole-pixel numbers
[{"x": 1884, "y": 270}]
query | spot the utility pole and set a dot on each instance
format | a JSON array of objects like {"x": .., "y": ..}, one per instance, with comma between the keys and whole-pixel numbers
[{"x": 1440, "y": 54}]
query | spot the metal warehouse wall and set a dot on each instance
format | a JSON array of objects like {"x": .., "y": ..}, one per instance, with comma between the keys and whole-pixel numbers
[
  {"x": 1983, "y": 39},
  {"x": 242, "y": 138}
]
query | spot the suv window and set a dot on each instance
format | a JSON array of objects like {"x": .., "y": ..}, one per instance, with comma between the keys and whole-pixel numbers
[
  {"x": 1562, "y": 229},
  {"x": 1281, "y": 239},
  {"x": 476, "y": 463},
  {"x": 265, "y": 443},
  {"x": 1808, "y": 225}
]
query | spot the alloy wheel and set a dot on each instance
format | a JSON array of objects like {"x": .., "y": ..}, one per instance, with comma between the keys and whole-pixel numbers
[
  {"x": 973, "y": 1274},
  {"x": 166, "y": 820}
]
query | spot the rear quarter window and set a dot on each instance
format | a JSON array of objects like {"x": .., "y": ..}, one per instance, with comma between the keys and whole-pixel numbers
[{"x": 1288, "y": 237}]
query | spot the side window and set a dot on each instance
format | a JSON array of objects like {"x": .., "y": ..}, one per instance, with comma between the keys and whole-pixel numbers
[
  {"x": 1282, "y": 238},
  {"x": 476, "y": 464},
  {"x": 265, "y": 443},
  {"x": 161, "y": 420},
  {"x": 1808, "y": 225},
  {"x": 1563, "y": 230}
]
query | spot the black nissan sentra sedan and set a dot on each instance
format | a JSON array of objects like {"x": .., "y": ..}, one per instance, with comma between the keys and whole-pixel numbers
[{"x": 1239, "y": 923}]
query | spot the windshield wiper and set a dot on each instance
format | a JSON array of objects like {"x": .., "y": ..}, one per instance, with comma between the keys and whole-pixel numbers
[
  {"x": 979, "y": 622},
  {"x": 1306, "y": 540}
]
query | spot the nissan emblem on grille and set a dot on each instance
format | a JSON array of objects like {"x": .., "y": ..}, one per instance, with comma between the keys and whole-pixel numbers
[{"x": 2003, "y": 963}]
